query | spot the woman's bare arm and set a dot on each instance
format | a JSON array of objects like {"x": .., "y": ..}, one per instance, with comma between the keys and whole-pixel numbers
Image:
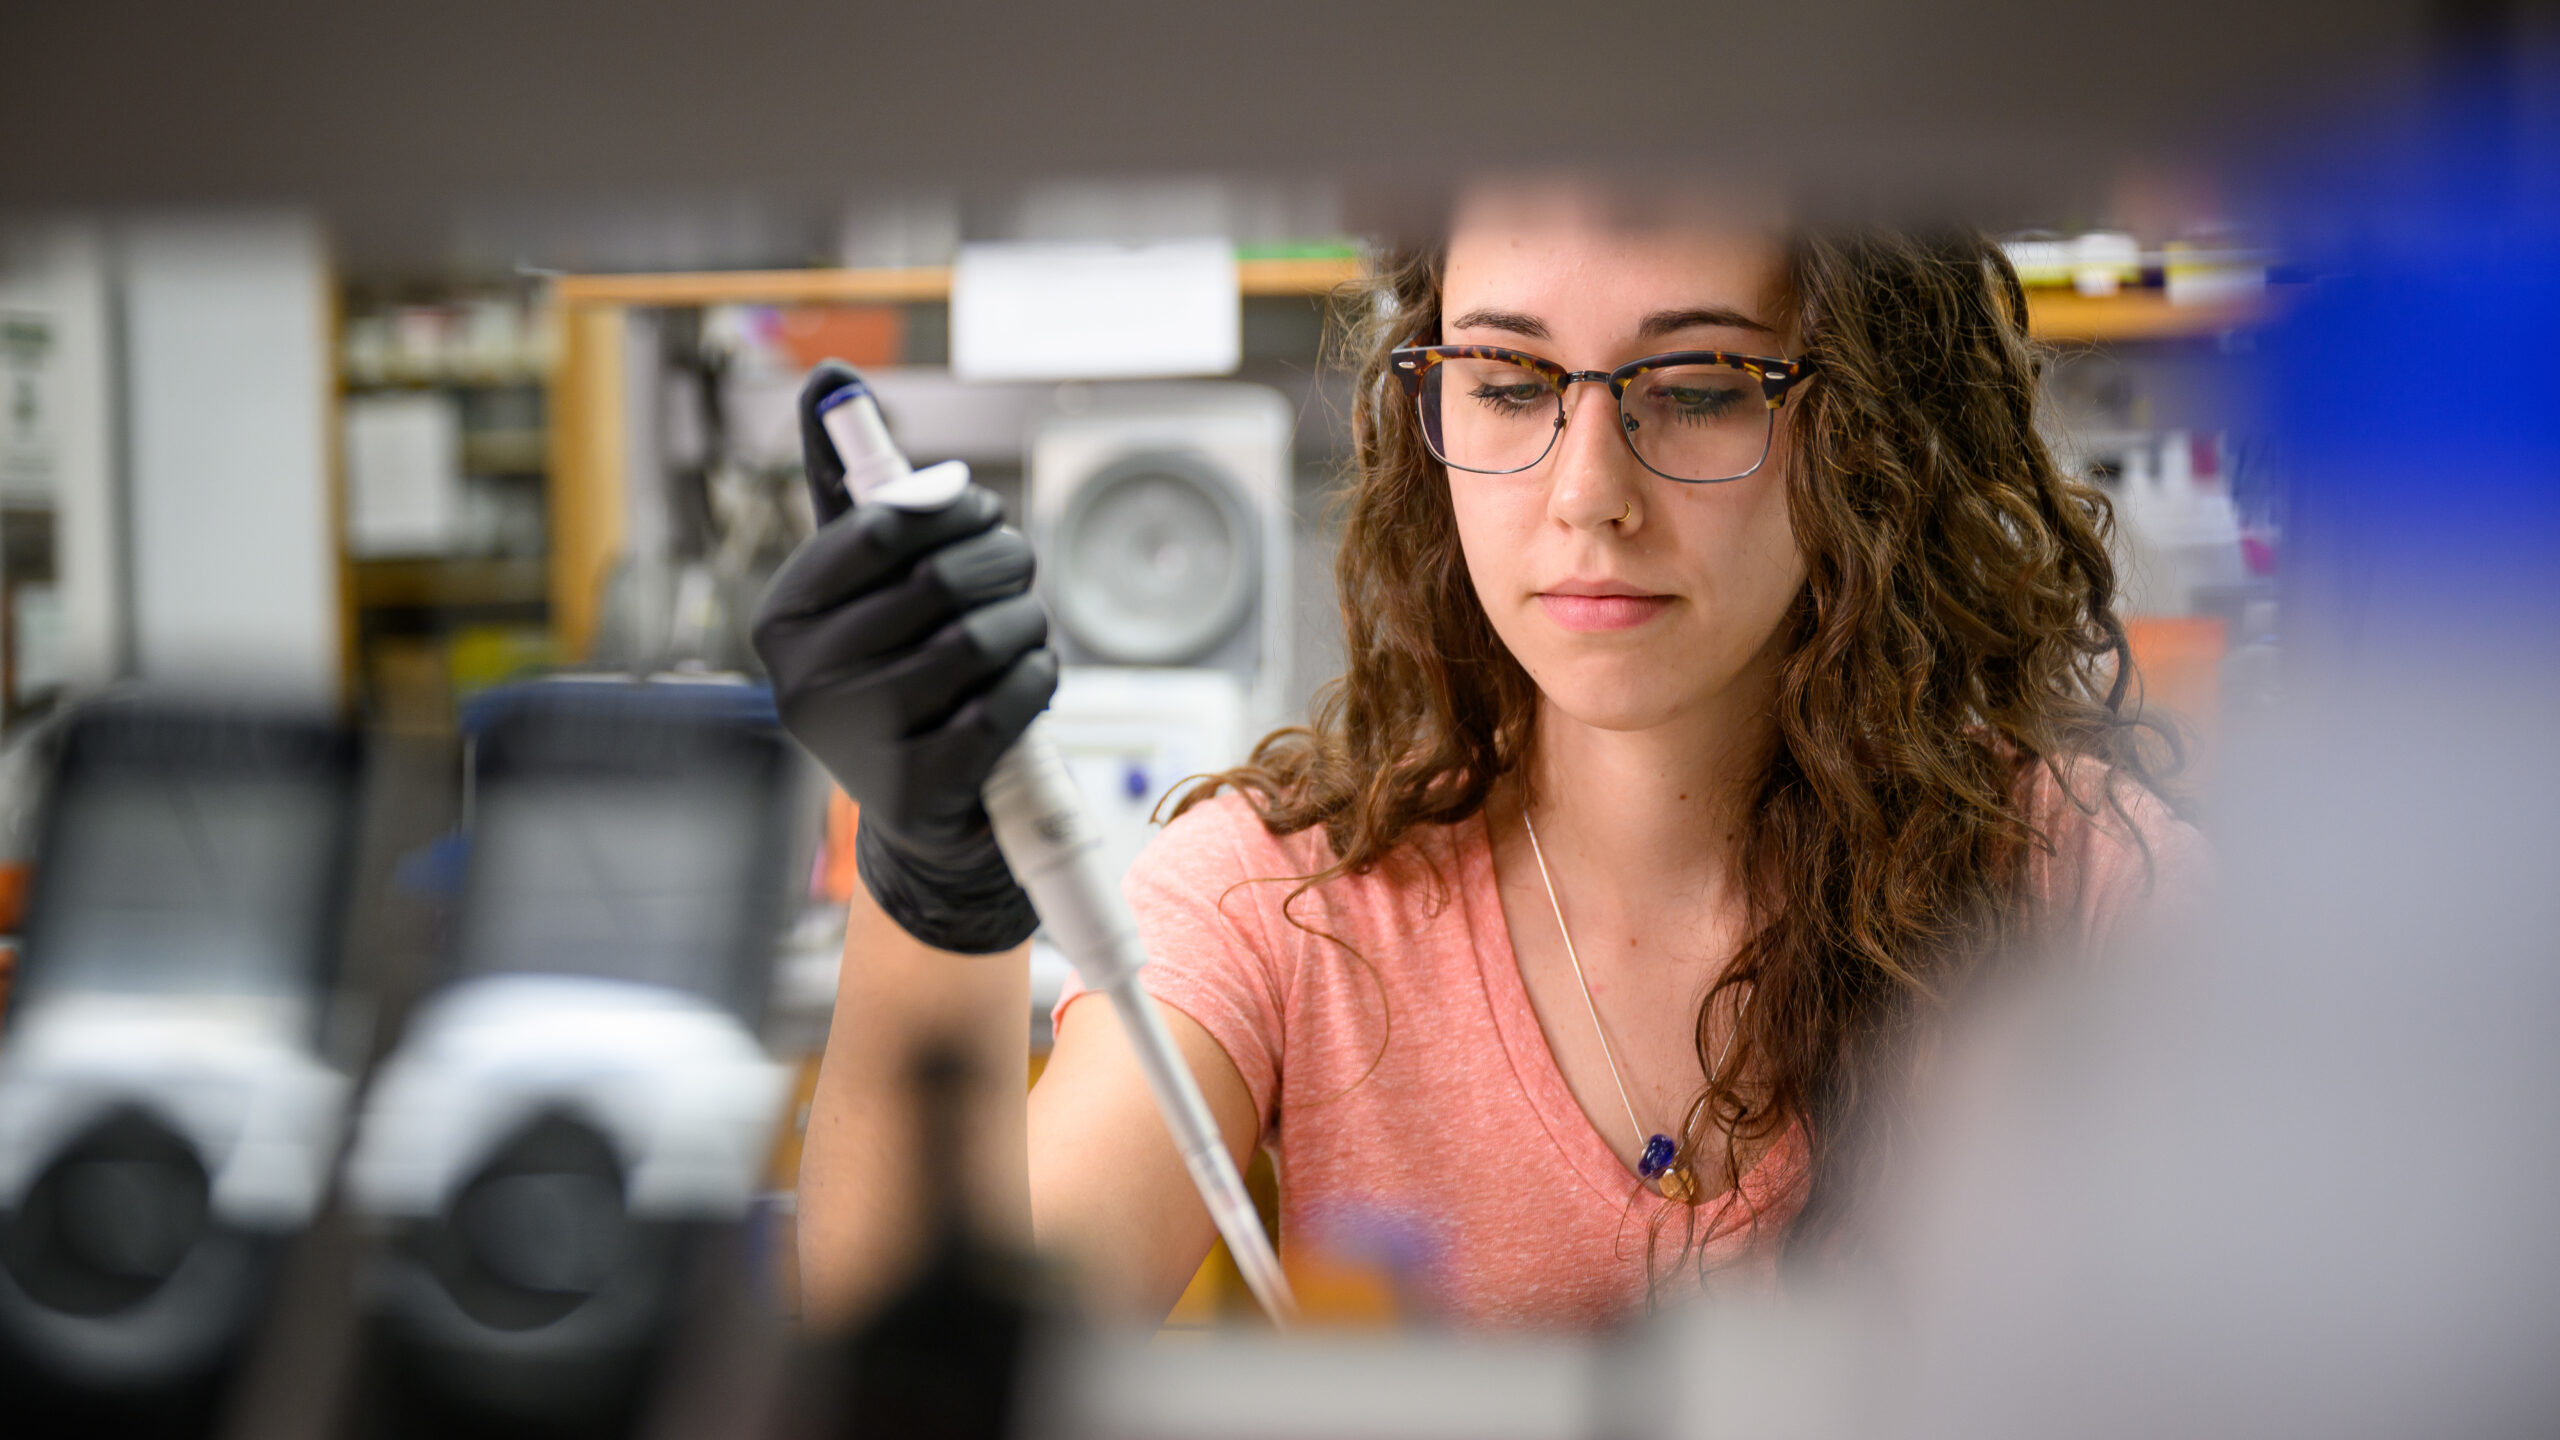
[
  {"x": 1109, "y": 1192},
  {"x": 1083, "y": 1165},
  {"x": 859, "y": 1187}
]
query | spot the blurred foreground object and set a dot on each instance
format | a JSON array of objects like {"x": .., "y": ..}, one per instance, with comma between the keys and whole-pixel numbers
[
  {"x": 568, "y": 1125},
  {"x": 168, "y": 1116},
  {"x": 2289, "y": 1171},
  {"x": 364, "y": 115},
  {"x": 945, "y": 1357}
]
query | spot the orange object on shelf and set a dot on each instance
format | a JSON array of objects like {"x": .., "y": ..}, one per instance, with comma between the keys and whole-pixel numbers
[
  {"x": 859, "y": 335},
  {"x": 836, "y": 875},
  {"x": 2179, "y": 660},
  {"x": 783, "y": 1166},
  {"x": 13, "y": 915},
  {"x": 1344, "y": 1294},
  {"x": 2064, "y": 317},
  {"x": 13, "y": 896}
]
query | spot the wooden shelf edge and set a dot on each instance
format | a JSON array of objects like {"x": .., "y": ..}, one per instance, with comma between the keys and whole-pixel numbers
[
  {"x": 759, "y": 287},
  {"x": 432, "y": 581},
  {"x": 914, "y": 284},
  {"x": 1284, "y": 278},
  {"x": 2059, "y": 316},
  {"x": 2067, "y": 317}
]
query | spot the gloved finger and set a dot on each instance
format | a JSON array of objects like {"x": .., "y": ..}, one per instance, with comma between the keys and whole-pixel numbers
[
  {"x": 818, "y": 458},
  {"x": 985, "y": 567},
  {"x": 931, "y": 791},
  {"x": 1001, "y": 714},
  {"x": 937, "y": 590},
  {"x": 921, "y": 688},
  {"x": 986, "y": 726},
  {"x": 864, "y": 550}
]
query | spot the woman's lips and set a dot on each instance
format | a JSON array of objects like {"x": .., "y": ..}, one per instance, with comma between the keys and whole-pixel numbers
[{"x": 1601, "y": 612}]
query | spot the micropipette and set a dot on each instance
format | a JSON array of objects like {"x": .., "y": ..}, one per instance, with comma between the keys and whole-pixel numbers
[{"x": 1056, "y": 854}]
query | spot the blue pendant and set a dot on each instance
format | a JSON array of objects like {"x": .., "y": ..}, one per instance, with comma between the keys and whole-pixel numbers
[{"x": 1658, "y": 1155}]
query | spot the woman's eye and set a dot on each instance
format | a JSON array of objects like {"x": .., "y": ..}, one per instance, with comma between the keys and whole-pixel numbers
[
  {"x": 1701, "y": 402},
  {"x": 1509, "y": 399}
]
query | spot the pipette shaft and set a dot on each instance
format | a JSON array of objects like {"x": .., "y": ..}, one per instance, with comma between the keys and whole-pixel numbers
[{"x": 1055, "y": 852}]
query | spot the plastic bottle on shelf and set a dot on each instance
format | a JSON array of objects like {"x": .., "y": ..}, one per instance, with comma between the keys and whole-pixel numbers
[
  {"x": 2106, "y": 261},
  {"x": 2181, "y": 532}
]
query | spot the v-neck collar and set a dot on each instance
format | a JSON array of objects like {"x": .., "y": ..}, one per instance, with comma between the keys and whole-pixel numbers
[{"x": 1525, "y": 1042}]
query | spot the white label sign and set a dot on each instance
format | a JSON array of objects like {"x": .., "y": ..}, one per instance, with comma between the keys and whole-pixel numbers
[
  {"x": 1095, "y": 311},
  {"x": 404, "y": 473}
]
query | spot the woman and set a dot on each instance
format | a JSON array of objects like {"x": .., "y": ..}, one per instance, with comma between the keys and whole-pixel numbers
[{"x": 1730, "y": 670}]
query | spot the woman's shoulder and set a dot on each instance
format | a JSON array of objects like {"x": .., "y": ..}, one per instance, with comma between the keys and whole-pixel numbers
[
  {"x": 1223, "y": 835},
  {"x": 2102, "y": 804},
  {"x": 1221, "y": 842},
  {"x": 2113, "y": 849}
]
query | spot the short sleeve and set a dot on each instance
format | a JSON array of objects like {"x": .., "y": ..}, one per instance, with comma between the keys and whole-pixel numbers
[
  {"x": 2120, "y": 858},
  {"x": 1209, "y": 946}
]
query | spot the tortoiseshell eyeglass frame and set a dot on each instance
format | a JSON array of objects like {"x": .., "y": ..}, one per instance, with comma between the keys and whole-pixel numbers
[{"x": 1776, "y": 377}]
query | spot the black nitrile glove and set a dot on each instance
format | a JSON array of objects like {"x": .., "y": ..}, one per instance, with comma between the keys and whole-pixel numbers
[{"x": 907, "y": 654}]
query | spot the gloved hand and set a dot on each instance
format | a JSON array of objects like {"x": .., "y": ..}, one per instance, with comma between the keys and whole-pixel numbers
[{"x": 907, "y": 654}]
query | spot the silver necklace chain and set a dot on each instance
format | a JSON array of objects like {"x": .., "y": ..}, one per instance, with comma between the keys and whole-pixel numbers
[{"x": 1588, "y": 1005}]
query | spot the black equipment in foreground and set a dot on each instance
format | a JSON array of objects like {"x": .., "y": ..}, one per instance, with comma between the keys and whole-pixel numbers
[
  {"x": 567, "y": 1120},
  {"x": 168, "y": 1116},
  {"x": 945, "y": 1357}
]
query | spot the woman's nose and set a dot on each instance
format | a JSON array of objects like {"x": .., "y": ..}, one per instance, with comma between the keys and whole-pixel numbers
[{"x": 1596, "y": 479}]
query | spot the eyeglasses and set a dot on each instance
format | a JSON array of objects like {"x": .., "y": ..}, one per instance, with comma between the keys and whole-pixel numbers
[{"x": 1696, "y": 416}]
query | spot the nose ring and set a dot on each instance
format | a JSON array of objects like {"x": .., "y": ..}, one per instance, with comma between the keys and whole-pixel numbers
[{"x": 1623, "y": 514}]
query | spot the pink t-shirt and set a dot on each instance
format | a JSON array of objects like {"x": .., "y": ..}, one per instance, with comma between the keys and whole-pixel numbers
[{"x": 1412, "y": 1107}]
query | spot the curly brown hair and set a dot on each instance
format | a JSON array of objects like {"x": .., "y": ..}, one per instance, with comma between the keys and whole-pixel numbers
[{"x": 1955, "y": 631}]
